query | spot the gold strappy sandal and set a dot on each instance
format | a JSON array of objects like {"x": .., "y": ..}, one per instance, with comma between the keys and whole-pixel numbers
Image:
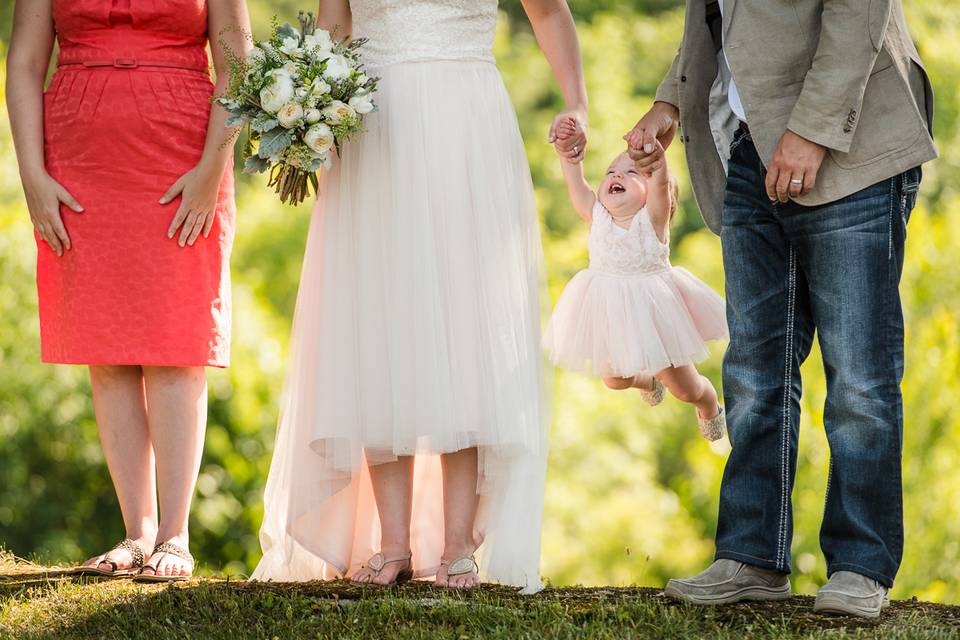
[
  {"x": 174, "y": 550},
  {"x": 378, "y": 561},
  {"x": 127, "y": 545},
  {"x": 461, "y": 567}
]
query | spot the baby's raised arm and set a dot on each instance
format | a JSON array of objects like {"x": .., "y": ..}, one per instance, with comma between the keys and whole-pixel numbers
[
  {"x": 661, "y": 199},
  {"x": 581, "y": 193}
]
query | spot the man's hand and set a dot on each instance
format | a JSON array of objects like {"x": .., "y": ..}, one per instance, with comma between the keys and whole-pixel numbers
[
  {"x": 658, "y": 125},
  {"x": 793, "y": 172}
]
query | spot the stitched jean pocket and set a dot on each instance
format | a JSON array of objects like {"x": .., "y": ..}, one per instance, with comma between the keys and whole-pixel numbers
[{"x": 909, "y": 191}]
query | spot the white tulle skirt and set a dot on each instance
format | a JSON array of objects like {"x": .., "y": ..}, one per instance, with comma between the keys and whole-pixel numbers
[
  {"x": 612, "y": 325},
  {"x": 417, "y": 332}
]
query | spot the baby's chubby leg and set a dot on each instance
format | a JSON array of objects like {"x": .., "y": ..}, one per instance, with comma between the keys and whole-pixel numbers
[
  {"x": 687, "y": 385},
  {"x": 642, "y": 381}
]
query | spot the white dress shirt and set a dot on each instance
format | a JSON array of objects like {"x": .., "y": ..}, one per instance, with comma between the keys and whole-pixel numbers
[{"x": 733, "y": 96}]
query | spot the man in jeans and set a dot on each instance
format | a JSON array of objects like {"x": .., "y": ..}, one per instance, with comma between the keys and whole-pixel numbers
[{"x": 805, "y": 124}]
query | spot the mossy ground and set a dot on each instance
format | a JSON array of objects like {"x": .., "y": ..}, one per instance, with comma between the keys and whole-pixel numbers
[{"x": 46, "y": 602}]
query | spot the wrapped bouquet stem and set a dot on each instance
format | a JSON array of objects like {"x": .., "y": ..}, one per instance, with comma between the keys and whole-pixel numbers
[{"x": 301, "y": 94}]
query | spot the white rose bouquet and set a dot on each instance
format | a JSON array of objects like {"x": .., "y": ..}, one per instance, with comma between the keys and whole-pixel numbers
[{"x": 300, "y": 93}]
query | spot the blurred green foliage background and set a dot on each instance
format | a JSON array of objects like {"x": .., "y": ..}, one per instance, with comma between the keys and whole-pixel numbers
[{"x": 632, "y": 491}]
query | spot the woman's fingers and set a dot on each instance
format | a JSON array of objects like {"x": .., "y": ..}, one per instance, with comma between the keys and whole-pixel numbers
[
  {"x": 46, "y": 232},
  {"x": 187, "y": 227},
  {"x": 175, "y": 189},
  {"x": 198, "y": 226},
  {"x": 178, "y": 219},
  {"x": 66, "y": 198},
  {"x": 60, "y": 232},
  {"x": 208, "y": 225}
]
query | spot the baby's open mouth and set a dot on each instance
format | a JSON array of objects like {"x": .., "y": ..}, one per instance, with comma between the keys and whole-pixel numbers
[{"x": 616, "y": 187}]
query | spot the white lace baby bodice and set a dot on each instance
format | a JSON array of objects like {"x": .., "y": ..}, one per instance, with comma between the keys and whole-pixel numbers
[
  {"x": 407, "y": 30},
  {"x": 626, "y": 252}
]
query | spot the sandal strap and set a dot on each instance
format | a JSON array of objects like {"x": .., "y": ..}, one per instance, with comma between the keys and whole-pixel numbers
[
  {"x": 133, "y": 549},
  {"x": 377, "y": 561},
  {"x": 461, "y": 566},
  {"x": 174, "y": 550}
]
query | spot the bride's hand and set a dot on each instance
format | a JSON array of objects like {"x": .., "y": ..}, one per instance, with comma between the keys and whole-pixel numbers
[
  {"x": 44, "y": 195},
  {"x": 571, "y": 148},
  {"x": 198, "y": 189}
]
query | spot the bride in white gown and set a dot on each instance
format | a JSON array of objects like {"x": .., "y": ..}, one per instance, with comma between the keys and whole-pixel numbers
[{"x": 414, "y": 418}]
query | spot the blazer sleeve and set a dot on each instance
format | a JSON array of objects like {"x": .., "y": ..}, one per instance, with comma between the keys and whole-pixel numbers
[
  {"x": 851, "y": 35},
  {"x": 669, "y": 89}
]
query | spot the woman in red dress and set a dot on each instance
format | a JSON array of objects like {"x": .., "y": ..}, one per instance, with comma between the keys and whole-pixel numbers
[{"x": 128, "y": 182}]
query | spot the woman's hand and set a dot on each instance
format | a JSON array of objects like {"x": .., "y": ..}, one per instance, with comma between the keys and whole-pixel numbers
[
  {"x": 571, "y": 146},
  {"x": 198, "y": 189},
  {"x": 44, "y": 195}
]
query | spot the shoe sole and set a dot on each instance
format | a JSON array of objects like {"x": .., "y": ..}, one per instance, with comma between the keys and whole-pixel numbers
[
  {"x": 839, "y": 607},
  {"x": 749, "y": 594}
]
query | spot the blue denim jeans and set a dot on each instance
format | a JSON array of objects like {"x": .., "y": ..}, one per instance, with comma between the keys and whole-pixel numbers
[{"x": 792, "y": 271}]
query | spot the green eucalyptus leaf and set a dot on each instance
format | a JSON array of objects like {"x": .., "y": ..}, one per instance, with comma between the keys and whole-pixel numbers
[
  {"x": 255, "y": 164},
  {"x": 274, "y": 142}
]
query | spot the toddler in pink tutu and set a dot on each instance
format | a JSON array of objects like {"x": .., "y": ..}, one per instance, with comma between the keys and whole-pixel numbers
[{"x": 631, "y": 317}]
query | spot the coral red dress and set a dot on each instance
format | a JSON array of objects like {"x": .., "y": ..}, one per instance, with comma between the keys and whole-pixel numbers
[{"x": 125, "y": 116}]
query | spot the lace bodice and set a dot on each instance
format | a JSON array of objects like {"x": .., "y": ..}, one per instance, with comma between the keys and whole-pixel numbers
[
  {"x": 626, "y": 252},
  {"x": 406, "y": 30}
]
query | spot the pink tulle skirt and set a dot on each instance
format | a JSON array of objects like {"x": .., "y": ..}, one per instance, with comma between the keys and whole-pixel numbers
[{"x": 614, "y": 325}]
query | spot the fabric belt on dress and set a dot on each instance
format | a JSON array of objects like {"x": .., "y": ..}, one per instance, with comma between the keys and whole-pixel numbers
[{"x": 130, "y": 63}]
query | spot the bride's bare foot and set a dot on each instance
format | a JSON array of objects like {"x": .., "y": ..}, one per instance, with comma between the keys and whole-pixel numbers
[
  {"x": 459, "y": 571},
  {"x": 122, "y": 558},
  {"x": 384, "y": 570}
]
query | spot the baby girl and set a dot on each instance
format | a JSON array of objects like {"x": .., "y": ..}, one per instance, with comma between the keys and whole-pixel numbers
[{"x": 631, "y": 317}]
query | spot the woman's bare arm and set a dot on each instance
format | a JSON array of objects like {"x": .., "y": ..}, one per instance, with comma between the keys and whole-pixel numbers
[
  {"x": 30, "y": 48},
  {"x": 557, "y": 36},
  {"x": 335, "y": 15},
  {"x": 229, "y": 28}
]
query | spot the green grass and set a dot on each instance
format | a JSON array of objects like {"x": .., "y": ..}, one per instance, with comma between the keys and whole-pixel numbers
[{"x": 42, "y": 602}]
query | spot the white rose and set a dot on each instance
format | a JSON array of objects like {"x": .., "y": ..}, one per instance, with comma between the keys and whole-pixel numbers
[
  {"x": 319, "y": 87},
  {"x": 312, "y": 116},
  {"x": 361, "y": 104},
  {"x": 338, "y": 68},
  {"x": 319, "y": 39},
  {"x": 256, "y": 56},
  {"x": 278, "y": 93},
  {"x": 290, "y": 68},
  {"x": 319, "y": 138},
  {"x": 289, "y": 115},
  {"x": 337, "y": 112},
  {"x": 291, "y": 47}
]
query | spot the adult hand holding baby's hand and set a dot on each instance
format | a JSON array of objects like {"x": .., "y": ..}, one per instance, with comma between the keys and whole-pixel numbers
[
  {"x": 568, "y": 134},
  {"x": 651, "y": 136}
]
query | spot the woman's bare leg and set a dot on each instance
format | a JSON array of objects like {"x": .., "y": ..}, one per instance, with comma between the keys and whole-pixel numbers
[
  {"x": 393, "y": 491},
  {"x": 120, "y": 406},
  {"x": 460, "y": 501},
  {"x": 177, "y": 414}
]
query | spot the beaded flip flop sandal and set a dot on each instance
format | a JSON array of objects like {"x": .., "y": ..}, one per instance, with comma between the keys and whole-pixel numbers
[
  {"x": 173, "y": 550},
  {"x": 127, "y": 545},
  {"x": 377, "y": 562},
  {"x": 461, "y": 567}
]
